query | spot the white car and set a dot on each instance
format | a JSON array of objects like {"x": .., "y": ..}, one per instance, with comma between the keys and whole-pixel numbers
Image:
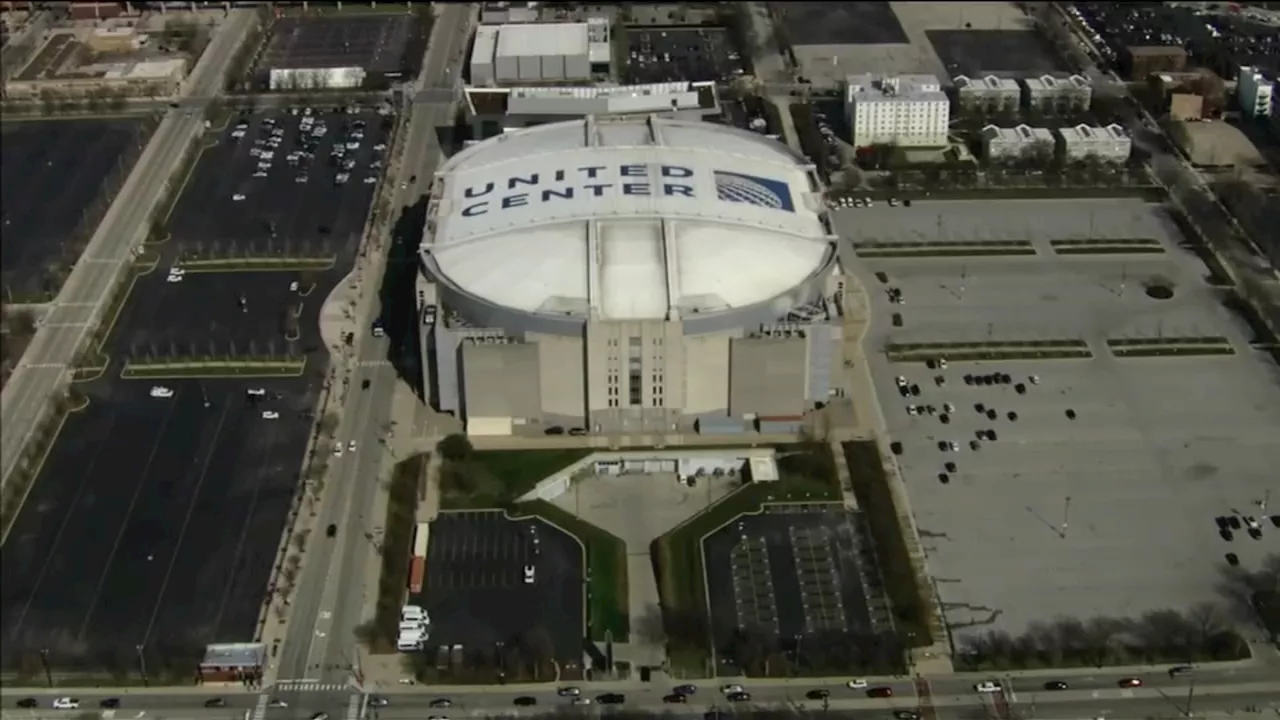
[
  {"x": 270, "y": 415},
  {"x": 293, "y": 286},
  {"x": 581, "y": 701},
  {"x": 731, "y": 689},
  {"x": 337, "y": 450},
  {"x": 1035, "y": 379},
  {"x": 277, "y": 703},
  {"x": 238, "y": 197},
  {"x": 66, "y": 703},
  {"x": 380, "y": 146},
  {"x": 160, "y": 391},
  {"x": 857, "y": 684},
  {"x": 260, "y": 174},
  {"x": 351, "y": 446},
  {"x": 530, "y": 574},
  {"x": 174, "y": 278},
  {"x": 987, "y": 686},
  {"x": 256, "y": 392},
  {"x": 370, "y": 180},
  {"x": 901, "y": 380}
]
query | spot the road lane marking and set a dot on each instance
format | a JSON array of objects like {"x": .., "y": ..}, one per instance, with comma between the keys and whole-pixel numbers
[
  {"x": 260, "y": 710},
  {"x": 353, "y": 707}
]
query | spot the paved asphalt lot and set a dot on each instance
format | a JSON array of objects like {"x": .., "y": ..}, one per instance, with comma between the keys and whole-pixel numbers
[
  {"x": 790, "y": 573},
  {"x": 476, "y": 592},
  {"x": 863, "y": 23},
  {"x": 980, "y": 52},
  {"x": 81, "y": 301},
  {"x": 154, "y": 522},
  {"x": 1159, "y": 448},
  {"x": 218, "y": 313},
  {"x": 51, "y": 172},
  {"x": 316, "y": 218}
]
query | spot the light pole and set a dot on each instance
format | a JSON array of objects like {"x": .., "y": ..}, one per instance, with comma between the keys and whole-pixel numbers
[
  {"x": 44, "y": 661},
  {"x": 142, "y": 666}
]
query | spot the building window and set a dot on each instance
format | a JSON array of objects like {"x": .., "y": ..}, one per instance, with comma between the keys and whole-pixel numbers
[{"x": 635, "y": 389}]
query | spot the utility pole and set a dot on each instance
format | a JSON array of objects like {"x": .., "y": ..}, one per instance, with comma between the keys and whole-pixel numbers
[
  {"x": 44, "y": 660},
  {"x": 1066, "y": 516}
]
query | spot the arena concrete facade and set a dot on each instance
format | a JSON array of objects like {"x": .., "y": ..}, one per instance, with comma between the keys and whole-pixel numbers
[{"x": 598, "y": 274}]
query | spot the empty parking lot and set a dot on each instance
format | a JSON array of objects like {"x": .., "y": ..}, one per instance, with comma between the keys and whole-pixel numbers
[
  {"x": 861, "y": 23},
  {"x": 979, "y": 52},
  {"x": 377, "y": 44},
  {"x": 272, "y": 185},
  {"x": 476, "y": 590},
  {"x": 154, "y": 524},
  {"x": 794, "y": 572},
  {"x": 54, "y": 172},
  {"x": 1098, "y": 464},
  {"x": 219, "y": 314}
]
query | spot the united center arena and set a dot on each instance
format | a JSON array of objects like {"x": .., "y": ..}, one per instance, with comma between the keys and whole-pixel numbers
[{"x": 627, "y": 275}]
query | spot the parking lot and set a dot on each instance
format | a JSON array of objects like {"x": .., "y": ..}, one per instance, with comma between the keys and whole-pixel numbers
[
  {"x": 979, "y": 52},
  {"x": 154, "y": 522},
  {"x": 792, "y": 572},
  {"x": 1095, "y": 464},
  {"x": 378, "y": 44},
  {"x": 478, "y": 591},
  {"x": 861, "y": 23},
  {"x": 53, "y": 172},
  {"x": 282, "y": 185},
  {"x": 1221, "y": 43},
  {"x": 670, "y": 54},
  {"x": 248, "y": 313}
]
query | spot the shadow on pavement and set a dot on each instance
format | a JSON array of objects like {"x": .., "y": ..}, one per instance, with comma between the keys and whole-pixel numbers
[{"x": 398, "y": 306}]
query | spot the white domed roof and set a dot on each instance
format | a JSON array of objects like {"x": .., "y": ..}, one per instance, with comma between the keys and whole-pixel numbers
[{"x": 626, "y": 219}]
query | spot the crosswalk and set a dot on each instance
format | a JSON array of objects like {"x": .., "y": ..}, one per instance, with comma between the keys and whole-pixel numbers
[
  {"x": 354, "y": 707},
  {"x": 260, "y": 709},
  {"x": 310, "y": 686}
]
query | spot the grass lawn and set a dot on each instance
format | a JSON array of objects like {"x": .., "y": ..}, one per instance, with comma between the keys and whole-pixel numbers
[
  {"x": 605, "y": 565},
  {"x": 497, "y": 478},
  {"x": 807, "y": 474}
]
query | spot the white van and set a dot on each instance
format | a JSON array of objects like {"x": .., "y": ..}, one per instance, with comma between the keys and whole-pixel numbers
[
  {"x": 409, "y": 627},
  {"x": 413, "y": 613},
  {"x": 406, "y": 645}
]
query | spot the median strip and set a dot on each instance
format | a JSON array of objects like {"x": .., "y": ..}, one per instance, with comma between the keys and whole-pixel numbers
[{"x": 138, "y": 370}]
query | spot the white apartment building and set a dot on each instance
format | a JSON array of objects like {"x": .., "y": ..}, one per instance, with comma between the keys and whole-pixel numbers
[
  {"x": 1110, "y": 143},
  {"x": 1016, "y": 142},
  {"x": 988, "y": 93},
  {"x": 1071, "y": 93},
  {"x": 908, "y": 110},
  {"x": 1255, "y": 92}
]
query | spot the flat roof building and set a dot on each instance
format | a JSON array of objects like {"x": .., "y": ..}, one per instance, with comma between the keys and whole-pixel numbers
[
  {"x": 495, "y": 110},
  {"x": 908, "y": 110},
  {"x": 539, "y": 52}
]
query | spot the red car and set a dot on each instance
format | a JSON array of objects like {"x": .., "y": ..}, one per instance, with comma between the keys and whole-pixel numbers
[
  {"x": 1130, "y": 682},
  {"x": 880, "y": 692}
]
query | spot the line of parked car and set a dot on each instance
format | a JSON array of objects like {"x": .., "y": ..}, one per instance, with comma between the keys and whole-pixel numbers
[{"x": 312, "y": 129}]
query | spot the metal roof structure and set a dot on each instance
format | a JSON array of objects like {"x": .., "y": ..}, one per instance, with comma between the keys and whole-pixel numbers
[{"x": 626, "y": 218}]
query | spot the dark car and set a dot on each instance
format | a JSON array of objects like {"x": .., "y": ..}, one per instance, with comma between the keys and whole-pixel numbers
[
  {"x": 906, "y": 714},
  {"x": 447, "y": 703},
  {"x": 1234, "y": 522},
  {"x": 897, "y": 319},
  {"x": 331, "y": 531},
  {"x": 943, "y": 446},
  {"x": 944, "y": 478},
  {"x": 611, "y": 699},
  {"x": 992, "y": 414},
  {"x": 880, "y": 692},
  {"x": 739, "y": 697},
  {"x": 975, "y": 445},
  {"x": 686, "y": 689},
  {"x": 968, "y": 379},
  {"x": 991, "y": 435},
  {"x": 364, "y": 384},
  {"x": 215, "y": 703},
  {"x": 818, "y": 694},
  {"x": 554, "y": 430},
  {"x": 1055, "y": 685},
  {"x": 1005, "y": 379},
  {"x": 979, "y": 407},
  {"x": 1178, "y": 670},
  {"x": 675, "y": 698},
  {"x": 896, "y": 448},
  {"x": 1020, "y": 389},
  {"x": 1226, "y": 534},
  {"x": 577, "y": 432},
  {"x": 915, "y": 390},
  {"x": 1129, "y": 682},
  {"x": 945, "y": 419},
  {"x": 109, "y": 703},
  {"x": 526, "y": 700},
  {"x": 1013, "y": 416},
  {"x": 950, "y": 466},
  {"x": 28, "y": 703},
  {"x": 1071, "y": 414}
]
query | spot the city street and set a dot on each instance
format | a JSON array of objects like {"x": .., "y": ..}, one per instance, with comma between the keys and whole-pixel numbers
[{"x": 320, "y": 647}]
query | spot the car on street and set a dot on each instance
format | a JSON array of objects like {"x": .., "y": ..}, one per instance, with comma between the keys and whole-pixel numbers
[
  {"x": 215, "y": 703},
  {"x": 611, "y": 698},
  {"x": 270, "y": 415},
  {"x": 856, "y": 684},
  {"x": 320, "y": 716},
  {"x": 1179, "y": 670},
  {"x": 1055, "y": 685},
  {"x": 906, "y": 714},
  {"x": 880, "y": 692},
  {"x": 66, "y": 703},
  {"x": 351, "y": 446},
  {"x": 28, "y": 703},
  {"x": 738, "y": 697},
  {"x": 109, "y": 703},
  {"x": 337, "y": 450},
  {"x": 160, "y": 391},
  {"x": 526, "y": 701},
  {"x": 530, "y": 576},
  {"x": 987, "y": 686},
  {"x": 569, "y": 692},
  {"x": 1129, "y": 682},
  {"x": 331, "y": 531},
  {"x": 441, "y": 703},
  {"x": 277, "y": 703},
  {"x": 675, "y": 698},
  {"x": 818, "y": 694},
  {"x": 730, "y": 689},
  {"x": 581, "y": 701}
]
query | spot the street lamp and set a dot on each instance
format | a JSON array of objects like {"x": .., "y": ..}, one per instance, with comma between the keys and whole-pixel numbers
[
  {"x": 142, "y": 666},
  {"x": 44, "y": 660}
]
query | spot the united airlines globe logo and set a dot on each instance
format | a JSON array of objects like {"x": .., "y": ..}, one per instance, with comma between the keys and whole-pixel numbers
[{"x": 761, "y": 192}]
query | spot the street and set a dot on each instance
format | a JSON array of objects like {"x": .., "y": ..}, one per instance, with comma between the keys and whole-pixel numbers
[
  {"x": 46, "y": 365},
  {"x": 320, "y": 645}
]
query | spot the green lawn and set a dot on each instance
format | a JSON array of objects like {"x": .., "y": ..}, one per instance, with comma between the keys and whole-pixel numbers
[
  {"x": 606, "y": 565},
  {"x": 496, "y": 478},
  {"x": 807, "y": 474}
]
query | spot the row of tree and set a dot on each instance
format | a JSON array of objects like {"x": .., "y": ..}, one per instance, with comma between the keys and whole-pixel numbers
[
  {"x": 1200, "y": 634},
  {"x": 530, "y": 656},
  {"x": 761, "y": 653}
]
